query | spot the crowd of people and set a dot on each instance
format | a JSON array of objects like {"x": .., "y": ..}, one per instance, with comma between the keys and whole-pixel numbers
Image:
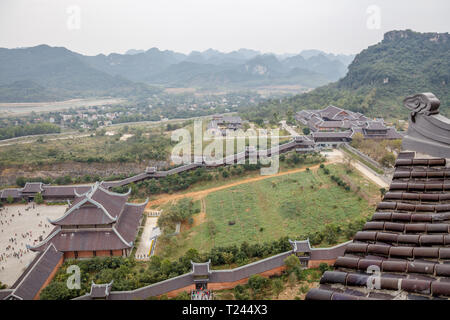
[
  {"x": 16, "y": 247},
  {"x": 201, "y": 295}
]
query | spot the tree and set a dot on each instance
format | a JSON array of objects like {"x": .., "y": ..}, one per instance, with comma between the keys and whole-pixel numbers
[
  {"x": 10, "y": 199},
  {"x": 211, "y": 226},
  {"x": 291, "y": 263},
  {"x": 292, "y": 280},
  {"x": 20, "y": 181},
  {"x": 324, "y": 267},
  {"x": 183, "y": 296},
  {"x": 331, "y": 233},
  {"x": 258, "y": 283},
  {"x": 38, "y": 198},
  {"x": 388, "y": 160},
  {"x": 101, "y": 132},
  {"x": 57, "y": 291},
  {"x": 277, "y": 286},
  {"x": 290, "y": 116},
  {"x": 228, "y": 257},
  {"x": 306, "y": 131},
  {"x": 357, "y": 140}
]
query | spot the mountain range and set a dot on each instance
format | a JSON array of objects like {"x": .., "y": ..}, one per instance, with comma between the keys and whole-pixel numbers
[
  {"x": 404, "y": 63},
  {"x": 43, "y": 73}
]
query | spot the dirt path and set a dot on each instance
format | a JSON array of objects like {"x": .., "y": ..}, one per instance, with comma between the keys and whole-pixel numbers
[
  {"x": 197, "y": 195},
  {"x": 334, "y": 157}
]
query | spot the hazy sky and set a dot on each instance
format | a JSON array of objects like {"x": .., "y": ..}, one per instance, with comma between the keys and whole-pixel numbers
[{"x": 281, "y": 26}]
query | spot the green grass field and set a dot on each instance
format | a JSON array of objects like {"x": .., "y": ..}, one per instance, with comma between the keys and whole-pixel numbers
[{"x": 292, "y": 205}]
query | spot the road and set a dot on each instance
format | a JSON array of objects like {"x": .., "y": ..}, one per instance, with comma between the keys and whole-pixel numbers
[
  {"x": 288, "y": 128},
  {"x": 370, "y": 174},
  {"x": 339, "y": 156}
]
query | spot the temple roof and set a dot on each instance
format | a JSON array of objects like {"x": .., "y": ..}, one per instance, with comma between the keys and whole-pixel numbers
[
  {"x": 300, "y": 246},
  {"x": 35, "y": 275},
  {"x": 201, "y": 269},
  {"x": 403, "y": 252},
  {"x": 95, "y": 207},
  {"x": 96, "y": 220},
  {"x": 84, "y": 240},
  {"x": 100, "y": 290},
  {"x": 32, "y": 187},
  {"x": 64, "y": 191},
  {"x": 331, "y": 134}
]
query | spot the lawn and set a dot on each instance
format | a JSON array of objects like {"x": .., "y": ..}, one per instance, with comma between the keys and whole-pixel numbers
[{"x": 292, "y": 205}]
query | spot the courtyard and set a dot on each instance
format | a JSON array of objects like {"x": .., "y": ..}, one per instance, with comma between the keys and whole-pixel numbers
[{"x": 21, "y": 225}]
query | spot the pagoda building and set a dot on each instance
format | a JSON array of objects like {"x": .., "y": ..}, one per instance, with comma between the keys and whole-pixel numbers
[{"x": 97, "y": 223}]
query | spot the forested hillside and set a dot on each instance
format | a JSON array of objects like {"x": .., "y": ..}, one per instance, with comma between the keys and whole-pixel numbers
[
  {"x": 45, "y": 73},
  {"x": 378, "y": 79}
]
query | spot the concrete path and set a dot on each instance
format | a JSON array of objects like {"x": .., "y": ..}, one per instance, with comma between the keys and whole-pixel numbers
[
  {"x": 338, "y": 155},
  {"x": 288, "y": 128},
  {"x": 143, "y": 250},
  {"x": 370, "y": 174}
]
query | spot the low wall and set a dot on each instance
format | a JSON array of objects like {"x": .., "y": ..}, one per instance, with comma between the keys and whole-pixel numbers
[
  {"x": 228, "y": 279},
  {"x": 364, "y": 156},
  {"x": 316, "y": 263},
  {"x": 231, "y": 285},
  {"x": 218, "y": 279}
]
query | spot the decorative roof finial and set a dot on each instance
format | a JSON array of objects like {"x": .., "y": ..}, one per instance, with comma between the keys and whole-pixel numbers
[{"x": 423, "y": 103}]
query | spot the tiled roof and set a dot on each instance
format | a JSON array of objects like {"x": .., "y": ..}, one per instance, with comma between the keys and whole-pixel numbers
[
  {"x": 87, "y": 214},
  {"x": 103, "y": 220},
  {"x": 406, "y": 243},
  {"x": 200, "y": 269},
  {"x": 84, "y": 240},
  {"x": 342, "y": 134},
  {"x": 128, "y": 223},
  {"x": 300, "y": 246},
  {"x": 334, "y": 117},
  {"x": 33, "y": 187},
  {"x": 100, "y": 290},
  {"x": 330, "y": 124},
  {"x": 15, "y": 193},
  {"x": 375, "y": 125},
  {"x": 112, "y": 202},
  {"x": 64, "y": 191},
  {"x": 36, "y": 274}
]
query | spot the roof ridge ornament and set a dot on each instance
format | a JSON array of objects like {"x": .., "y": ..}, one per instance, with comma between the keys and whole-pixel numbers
[
  {"x": 424, "y": 103},
  {"x": 428, "y": 131}
]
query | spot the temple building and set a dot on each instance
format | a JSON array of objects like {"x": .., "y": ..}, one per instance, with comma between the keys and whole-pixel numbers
[
  {"x": 403, "y": 253},
  {"x": 97, "y": 223},
  {"x": 220, "y": 124},
  {"x": 334, "y": 125}
]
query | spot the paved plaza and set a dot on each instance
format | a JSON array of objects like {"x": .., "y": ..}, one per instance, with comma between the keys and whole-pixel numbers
[{"x": 22, "y": 224}]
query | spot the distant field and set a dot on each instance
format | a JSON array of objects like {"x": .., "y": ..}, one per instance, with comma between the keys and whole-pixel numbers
[
  {"x": 281, "y": 206},
  {"x": 88, "y": 149},
  {"x": 8, "y": 109}
]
